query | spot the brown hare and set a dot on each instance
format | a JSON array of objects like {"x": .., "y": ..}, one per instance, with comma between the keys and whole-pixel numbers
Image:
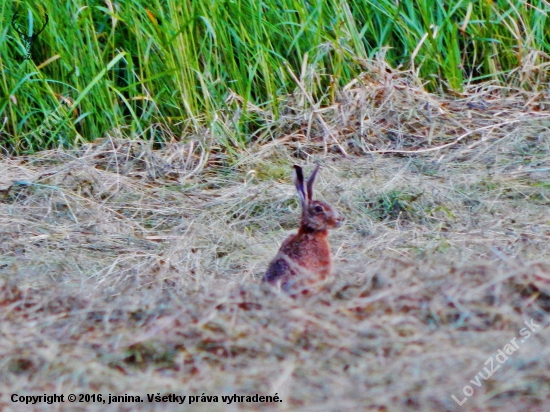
[{"x": 304, "y": 258}]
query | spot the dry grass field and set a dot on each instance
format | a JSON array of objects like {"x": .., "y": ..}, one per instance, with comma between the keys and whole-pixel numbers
[{"x": 128, "y": 269}]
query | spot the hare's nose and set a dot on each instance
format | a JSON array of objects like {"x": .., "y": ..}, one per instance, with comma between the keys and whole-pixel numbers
[{"x": 339, "y": 218}]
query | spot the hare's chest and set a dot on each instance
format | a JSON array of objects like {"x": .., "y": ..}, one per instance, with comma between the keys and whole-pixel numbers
[{"x": 310, "y": 252}]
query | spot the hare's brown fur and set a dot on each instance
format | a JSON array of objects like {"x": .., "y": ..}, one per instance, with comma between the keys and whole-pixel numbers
[{"x": 304, "y": 258}]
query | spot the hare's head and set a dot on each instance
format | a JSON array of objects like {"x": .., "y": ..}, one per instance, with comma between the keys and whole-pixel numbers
[{"x": 316, "y": 215}]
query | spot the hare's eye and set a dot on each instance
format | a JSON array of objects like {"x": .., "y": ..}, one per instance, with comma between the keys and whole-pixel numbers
[{"x": 318, "y": 209}]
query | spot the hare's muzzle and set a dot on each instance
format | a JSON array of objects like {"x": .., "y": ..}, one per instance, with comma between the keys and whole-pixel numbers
[{"x": 337, "y": 219}]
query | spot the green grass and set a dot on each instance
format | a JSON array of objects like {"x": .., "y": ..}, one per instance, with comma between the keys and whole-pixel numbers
[{"x": 200, "y": 65}]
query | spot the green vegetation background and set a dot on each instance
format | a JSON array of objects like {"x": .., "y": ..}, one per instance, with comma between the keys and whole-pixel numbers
[{"x": 189, "y": 66}]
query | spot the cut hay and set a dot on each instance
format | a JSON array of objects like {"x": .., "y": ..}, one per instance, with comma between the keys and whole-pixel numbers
[{"x": 131, "y": 271}]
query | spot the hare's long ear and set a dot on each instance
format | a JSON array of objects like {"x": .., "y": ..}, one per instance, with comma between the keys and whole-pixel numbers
[
  {"x": 310, "y": 182},
  {"x": 299, "y": 183}
]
